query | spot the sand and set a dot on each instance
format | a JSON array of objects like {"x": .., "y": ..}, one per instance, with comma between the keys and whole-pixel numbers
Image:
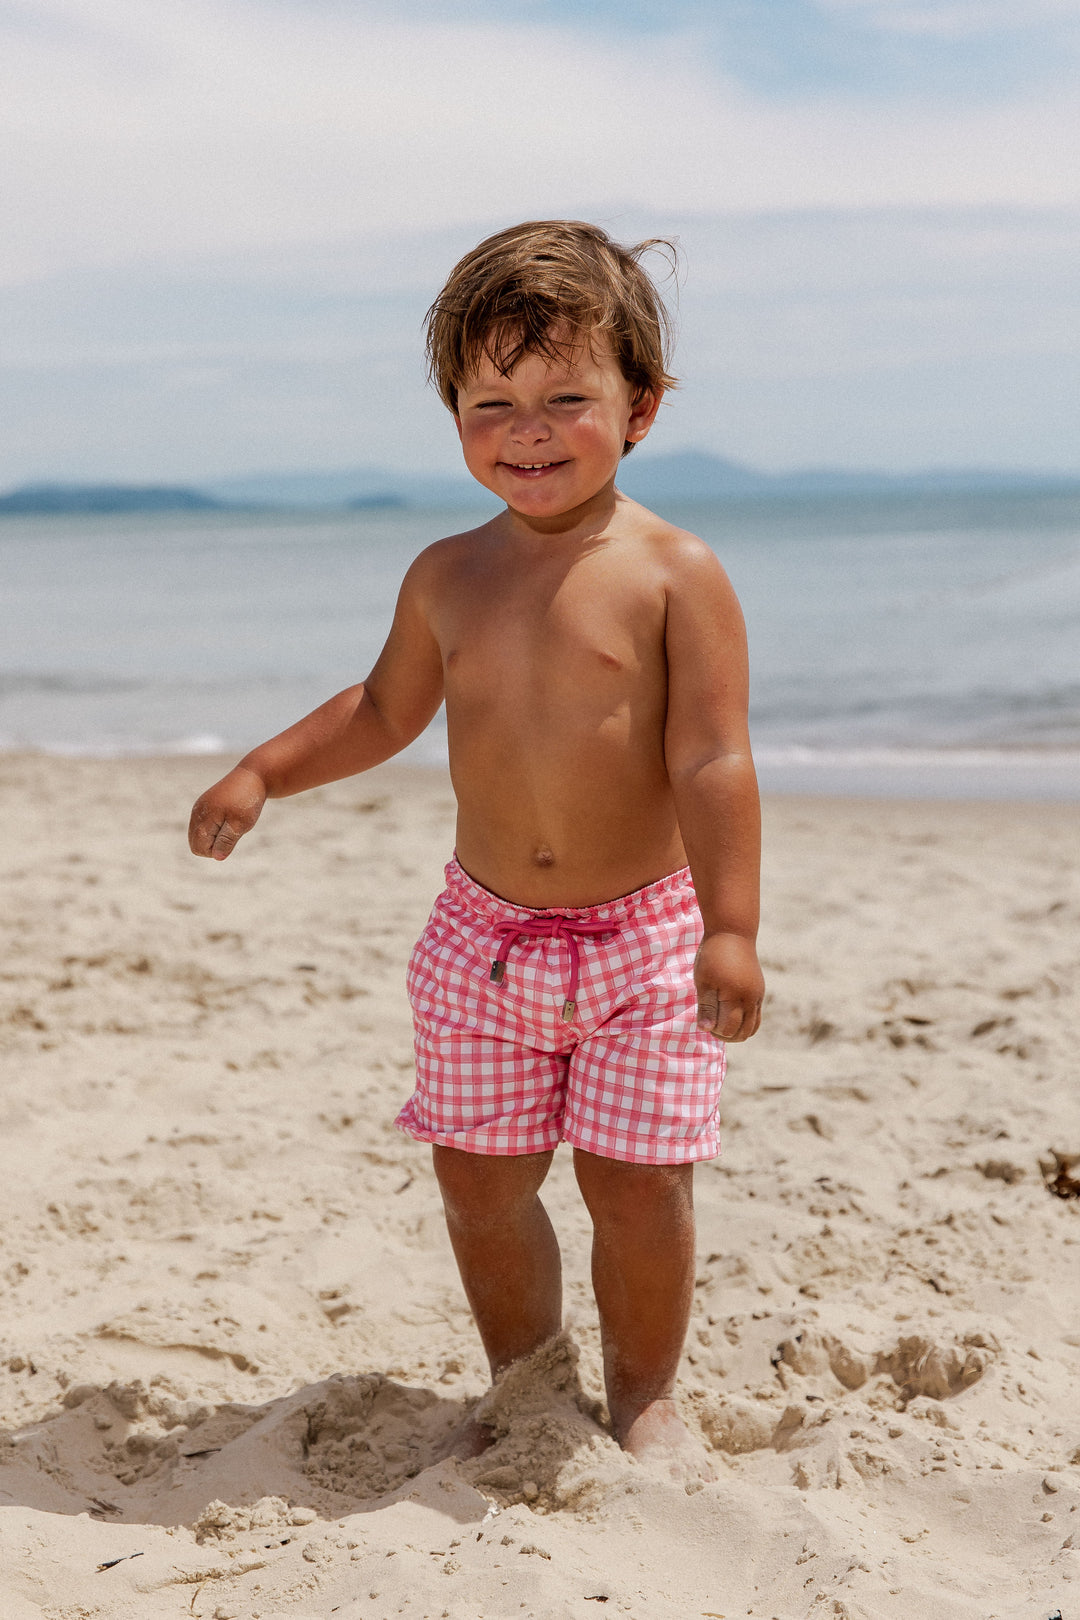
[{"x": 233, "y": 1345}]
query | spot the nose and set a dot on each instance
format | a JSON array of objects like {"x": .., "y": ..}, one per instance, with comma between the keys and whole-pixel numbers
[{"x": 529, "y": 426}]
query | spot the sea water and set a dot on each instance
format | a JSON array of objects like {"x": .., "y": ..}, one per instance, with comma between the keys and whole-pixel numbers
[{"x": 898, "y": 644}]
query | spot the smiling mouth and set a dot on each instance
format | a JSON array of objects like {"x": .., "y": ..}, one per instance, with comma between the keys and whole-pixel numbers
[{"x": 532, "y": 466}]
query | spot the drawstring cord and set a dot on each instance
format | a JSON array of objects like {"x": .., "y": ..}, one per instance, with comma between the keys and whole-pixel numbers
[{"x": 555, "y": 927}]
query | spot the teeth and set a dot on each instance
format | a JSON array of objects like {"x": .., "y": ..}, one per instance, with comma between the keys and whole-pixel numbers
[{"x": 532, "y": 466}]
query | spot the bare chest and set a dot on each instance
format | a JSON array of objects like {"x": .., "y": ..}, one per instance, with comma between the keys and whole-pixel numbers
[{"x": 589, "y": 637}]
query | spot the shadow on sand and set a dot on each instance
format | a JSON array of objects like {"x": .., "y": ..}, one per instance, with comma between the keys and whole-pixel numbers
[{"x": 128, "y": 1453}]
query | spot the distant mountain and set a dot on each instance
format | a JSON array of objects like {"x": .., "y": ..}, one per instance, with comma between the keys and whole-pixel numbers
[
  {"x": 355, "y": 487},
  {"x": 685, "y": 475},
  {"x": 660, "y": 481},
  {"x": 690, "y": 475},
  {"x": 104, "y": 498},
  {"x": 375, "y": 503},
  {"x": 695, "y": 475}
]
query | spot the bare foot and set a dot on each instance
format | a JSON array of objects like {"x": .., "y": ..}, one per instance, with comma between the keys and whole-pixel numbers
[
  {"x": 662, "y": 1443},
  {"x": 470, "y": 1439}
]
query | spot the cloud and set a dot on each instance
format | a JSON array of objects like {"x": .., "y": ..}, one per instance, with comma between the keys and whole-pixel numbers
[
  {"x": 955, "y": 19},
  {"x": 944, "y": 49},
  {"x": 180, "y": 130},
  {"x": 136, "y": 133}
]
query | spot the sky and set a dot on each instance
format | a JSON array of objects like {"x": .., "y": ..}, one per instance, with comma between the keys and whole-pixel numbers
[{"x": 224, "y": 220}]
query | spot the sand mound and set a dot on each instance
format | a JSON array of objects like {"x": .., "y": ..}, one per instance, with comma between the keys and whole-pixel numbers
[{"x": 550, "y": 1450}]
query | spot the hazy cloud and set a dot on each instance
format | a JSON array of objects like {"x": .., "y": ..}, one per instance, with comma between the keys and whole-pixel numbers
[
  {"x": 960, "y": 49},
  {"x": 956, "y": 19},
  {"x": 138, "y": 133}
]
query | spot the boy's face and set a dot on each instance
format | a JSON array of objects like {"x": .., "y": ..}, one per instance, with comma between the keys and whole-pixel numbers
[{"x": 549, "y": 437}]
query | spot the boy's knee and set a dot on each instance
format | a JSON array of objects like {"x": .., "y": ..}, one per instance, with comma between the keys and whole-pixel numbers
[
  {"x": 478, "y": 1185},
  {"x": 619, "y": 1190}
]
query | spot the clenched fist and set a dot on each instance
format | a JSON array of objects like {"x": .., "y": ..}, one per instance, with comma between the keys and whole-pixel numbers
[
  {"x": 225, "y": 813},
  {"x": 730, "y": 986}
]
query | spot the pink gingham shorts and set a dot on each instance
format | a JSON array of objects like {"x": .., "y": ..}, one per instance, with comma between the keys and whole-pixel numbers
[{"x": 572, "y": 1025}]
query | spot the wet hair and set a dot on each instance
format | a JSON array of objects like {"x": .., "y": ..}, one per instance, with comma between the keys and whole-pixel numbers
[{"x": 546, "y": 287}]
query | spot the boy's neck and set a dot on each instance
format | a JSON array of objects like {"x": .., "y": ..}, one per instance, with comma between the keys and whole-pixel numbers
[{"x": 583, "y": 522}]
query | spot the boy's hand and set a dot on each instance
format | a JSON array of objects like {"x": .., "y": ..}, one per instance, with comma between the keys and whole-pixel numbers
[
  {"x": 225, "y": 813},
  {"x": 730, "y": 986}
]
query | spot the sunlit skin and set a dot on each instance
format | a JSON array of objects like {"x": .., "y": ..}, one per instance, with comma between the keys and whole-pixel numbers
[{"x": 592, "y": 660}]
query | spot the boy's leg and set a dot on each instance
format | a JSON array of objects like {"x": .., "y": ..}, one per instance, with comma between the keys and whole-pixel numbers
[
  {"x": 643, "y": 1277},
  {"x": 505, "y": 1248}
]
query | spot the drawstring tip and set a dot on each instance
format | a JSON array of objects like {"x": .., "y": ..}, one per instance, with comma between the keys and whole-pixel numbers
[
  {"x": 569, "y": 1008},
  {"x": 498, "y": 972}
]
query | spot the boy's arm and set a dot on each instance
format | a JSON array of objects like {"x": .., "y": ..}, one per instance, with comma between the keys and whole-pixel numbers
[
  {"x": 358, "y": 728},
  {"x": 707, "y": 752}
]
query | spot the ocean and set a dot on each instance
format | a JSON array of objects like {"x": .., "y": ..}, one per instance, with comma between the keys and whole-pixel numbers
[{"x": 925, "y": 646}]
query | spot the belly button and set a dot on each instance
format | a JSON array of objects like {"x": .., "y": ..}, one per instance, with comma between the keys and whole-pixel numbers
[{"x": 543, "y": 856}]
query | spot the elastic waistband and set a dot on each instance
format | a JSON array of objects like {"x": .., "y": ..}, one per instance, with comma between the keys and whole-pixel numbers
[{"x": 672, "y": 893}]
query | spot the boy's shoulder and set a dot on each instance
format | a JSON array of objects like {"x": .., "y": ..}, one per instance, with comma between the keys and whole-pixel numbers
[
  {"x": 686, "y": 556},
  {"x": 446, "y": 554},
  {"x": 451, "y": 546}
]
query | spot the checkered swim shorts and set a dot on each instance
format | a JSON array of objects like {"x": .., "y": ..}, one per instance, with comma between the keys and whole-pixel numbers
[{"x": 572, "y": 1025}]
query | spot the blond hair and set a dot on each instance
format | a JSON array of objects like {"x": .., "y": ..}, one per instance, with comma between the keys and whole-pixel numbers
[{"x": 543, "y": 288}]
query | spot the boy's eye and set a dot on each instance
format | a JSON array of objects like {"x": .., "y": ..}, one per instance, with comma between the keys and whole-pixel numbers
[{"x": 570, "y": 399}]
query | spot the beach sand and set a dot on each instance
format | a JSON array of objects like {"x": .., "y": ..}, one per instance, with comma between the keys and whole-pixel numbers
[{"x": 233, "y": 1346}]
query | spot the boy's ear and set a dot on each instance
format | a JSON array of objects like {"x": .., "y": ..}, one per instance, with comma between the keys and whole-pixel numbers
[
  {"x": 457, "y": 423},
  {"x": 643, "y": 413}
]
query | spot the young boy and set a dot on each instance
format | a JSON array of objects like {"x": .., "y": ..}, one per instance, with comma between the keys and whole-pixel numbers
[{"x": 594, "y": 946}]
